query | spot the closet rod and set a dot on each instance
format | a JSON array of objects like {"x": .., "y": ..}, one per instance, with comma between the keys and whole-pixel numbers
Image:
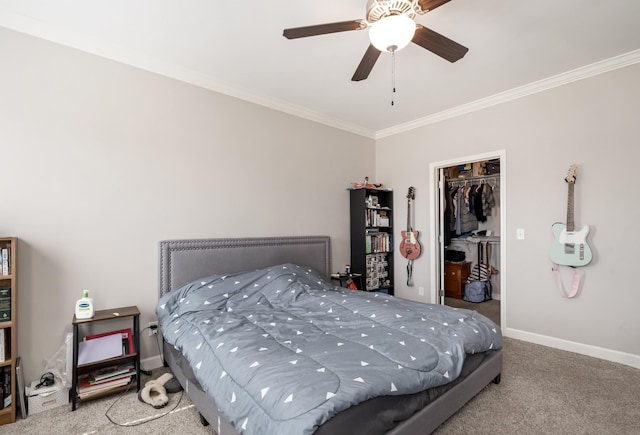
[
  {"x": 459, "y": 240},
  {"x": 455, "y": 181}
]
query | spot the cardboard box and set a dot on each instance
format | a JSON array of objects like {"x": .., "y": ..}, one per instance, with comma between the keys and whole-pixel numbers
[
  {"x": 44, "y": 398},
  {"x": 479, "y": 168}
]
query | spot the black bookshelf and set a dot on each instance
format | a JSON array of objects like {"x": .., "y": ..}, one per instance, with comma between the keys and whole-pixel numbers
[{"x": 372, "y": 246}]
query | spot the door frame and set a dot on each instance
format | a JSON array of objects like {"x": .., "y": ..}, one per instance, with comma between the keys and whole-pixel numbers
[{"x": 436, "y": 239}]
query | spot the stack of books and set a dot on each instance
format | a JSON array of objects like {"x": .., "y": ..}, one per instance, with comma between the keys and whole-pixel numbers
[
  {"x": 103, "y": 380},
  {"x": 100, "y": 347}
]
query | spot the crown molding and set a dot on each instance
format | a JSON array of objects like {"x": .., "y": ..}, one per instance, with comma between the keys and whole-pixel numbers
[
  {"x": 29, "y": 26},
  {"x": 41, "y": 30},
  {"x": 574, "y": 75}
]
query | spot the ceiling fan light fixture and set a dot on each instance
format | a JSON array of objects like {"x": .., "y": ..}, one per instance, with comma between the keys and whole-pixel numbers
[{"x": 392, "y": 33}]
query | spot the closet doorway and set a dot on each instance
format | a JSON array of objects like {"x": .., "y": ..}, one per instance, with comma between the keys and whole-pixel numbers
[{"x": 455, "y": 226}]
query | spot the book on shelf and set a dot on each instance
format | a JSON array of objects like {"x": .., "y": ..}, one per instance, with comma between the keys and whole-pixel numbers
[
  {"x": 6, "y": 253},
  {"x": 111, "y": 373},
  {"x": 99, "y": 392},
  {"x": 377, "y": 241},
  {"x": 108, "y": 381},
  {"x": 4, "y": 344},
  {"x": 5, "y": 380},
  {"x": 126, "y": 335},
  {"x": 377, "y": 218},
  {"x": 5, "y": 304},
  {"x": 85, "y": 389}
]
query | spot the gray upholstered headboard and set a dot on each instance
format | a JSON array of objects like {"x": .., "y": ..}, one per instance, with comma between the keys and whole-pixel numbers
[{"x": 183, "y": 261}]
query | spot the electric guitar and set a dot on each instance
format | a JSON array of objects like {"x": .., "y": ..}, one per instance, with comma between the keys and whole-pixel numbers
[
  {"x": 409, "y": 246},
  {"x": 570, "y": 247}
]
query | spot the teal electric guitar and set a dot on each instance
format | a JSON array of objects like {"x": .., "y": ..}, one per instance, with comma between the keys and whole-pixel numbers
[{"x": 570, "y": 247}]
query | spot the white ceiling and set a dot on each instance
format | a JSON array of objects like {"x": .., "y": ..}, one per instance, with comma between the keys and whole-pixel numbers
[{"x": 237, "y": 48}]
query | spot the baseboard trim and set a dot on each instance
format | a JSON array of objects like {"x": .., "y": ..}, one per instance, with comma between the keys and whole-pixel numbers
[{"x": 571, "y": 346}]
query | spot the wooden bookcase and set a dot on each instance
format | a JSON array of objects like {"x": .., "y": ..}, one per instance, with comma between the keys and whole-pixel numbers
[
  {"x": 371, "y": 227},
  {"x": 131, "y": 313},
  {"x": 8, "y": 322}
]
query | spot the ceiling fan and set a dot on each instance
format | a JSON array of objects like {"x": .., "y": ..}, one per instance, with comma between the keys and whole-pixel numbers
[{"x": 391, "y": 27}]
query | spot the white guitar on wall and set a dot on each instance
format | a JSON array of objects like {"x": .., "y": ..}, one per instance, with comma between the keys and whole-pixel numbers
[{"x": 570, "y": 247}]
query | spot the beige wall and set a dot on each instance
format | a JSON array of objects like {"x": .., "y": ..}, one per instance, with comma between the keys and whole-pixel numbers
[
  {"x": 100, "y": 161},
  {"x": 592, "y": 122}
]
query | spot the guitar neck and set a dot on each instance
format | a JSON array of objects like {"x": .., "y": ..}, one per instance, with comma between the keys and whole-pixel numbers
[
  {"x": 570, "y": 223},
  {"x": 409, "y": 215}
]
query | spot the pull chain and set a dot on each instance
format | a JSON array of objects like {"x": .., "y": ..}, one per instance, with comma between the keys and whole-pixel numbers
[{"x": 393, "y": 76}]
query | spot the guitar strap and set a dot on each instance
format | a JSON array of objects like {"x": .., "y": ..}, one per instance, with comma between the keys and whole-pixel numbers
[
  {"x": 575, "y": 281},
  {"x": 410, "y": 273}
]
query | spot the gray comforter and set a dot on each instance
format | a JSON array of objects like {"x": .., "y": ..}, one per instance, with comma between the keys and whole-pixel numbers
[{"x": 282, "y": 350}]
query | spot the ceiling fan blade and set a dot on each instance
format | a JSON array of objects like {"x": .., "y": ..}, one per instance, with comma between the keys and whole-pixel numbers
[
  {"x": 366, "y": 64},
  {"x": 429, "y": 5},
  {"x": 438, "y": 44},
  {"x": 323, "y": 29}
]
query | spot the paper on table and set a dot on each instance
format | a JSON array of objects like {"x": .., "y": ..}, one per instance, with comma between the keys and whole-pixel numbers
[{"x": 109, "y": 346}]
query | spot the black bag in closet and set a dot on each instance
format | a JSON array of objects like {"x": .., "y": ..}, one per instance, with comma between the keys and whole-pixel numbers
[{"x": 454, "y": 255}]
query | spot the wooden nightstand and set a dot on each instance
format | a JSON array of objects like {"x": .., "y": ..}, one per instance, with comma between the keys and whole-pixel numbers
[
  {"x": 133, "y": 357},
  {"x": 455, "y": 276}
]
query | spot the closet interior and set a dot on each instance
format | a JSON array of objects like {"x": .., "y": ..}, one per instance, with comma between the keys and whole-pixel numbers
[{"x": 471, "y": 229}]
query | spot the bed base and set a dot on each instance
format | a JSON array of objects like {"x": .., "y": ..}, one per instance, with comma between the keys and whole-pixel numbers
[
  {"x": 437, "y": 412},
  {"x": 207, "y": 408},
  {"x": 182, "y": 261}
]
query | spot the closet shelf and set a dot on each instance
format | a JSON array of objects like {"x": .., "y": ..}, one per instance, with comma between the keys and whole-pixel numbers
[
  {"x": 468, "y": 180},
  {"x": 478, "y": 239}
]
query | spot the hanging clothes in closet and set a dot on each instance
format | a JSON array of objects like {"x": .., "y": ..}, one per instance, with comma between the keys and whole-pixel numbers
[
  {"x": 484, "y": 201},
  {"x": 462, "y": 219},
  {"x": 465, "y": 206}
]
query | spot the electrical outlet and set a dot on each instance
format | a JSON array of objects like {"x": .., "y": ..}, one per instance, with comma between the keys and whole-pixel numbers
[
  {"x": 153, "y": 328},
  {"x": 421, "y": 291}
]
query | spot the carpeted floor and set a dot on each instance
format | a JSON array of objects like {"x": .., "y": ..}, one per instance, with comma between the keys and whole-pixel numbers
[
  {"x": 115, "y": 414},
  {"x": 543, "y": 391},
  {"x": 549, "y": 391}
]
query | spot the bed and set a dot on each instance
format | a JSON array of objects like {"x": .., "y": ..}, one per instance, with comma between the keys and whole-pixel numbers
[{"x": 190, "y": 267}]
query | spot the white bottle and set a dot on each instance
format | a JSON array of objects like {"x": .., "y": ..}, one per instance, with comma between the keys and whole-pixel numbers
[{"x": 84, "y": 306}]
